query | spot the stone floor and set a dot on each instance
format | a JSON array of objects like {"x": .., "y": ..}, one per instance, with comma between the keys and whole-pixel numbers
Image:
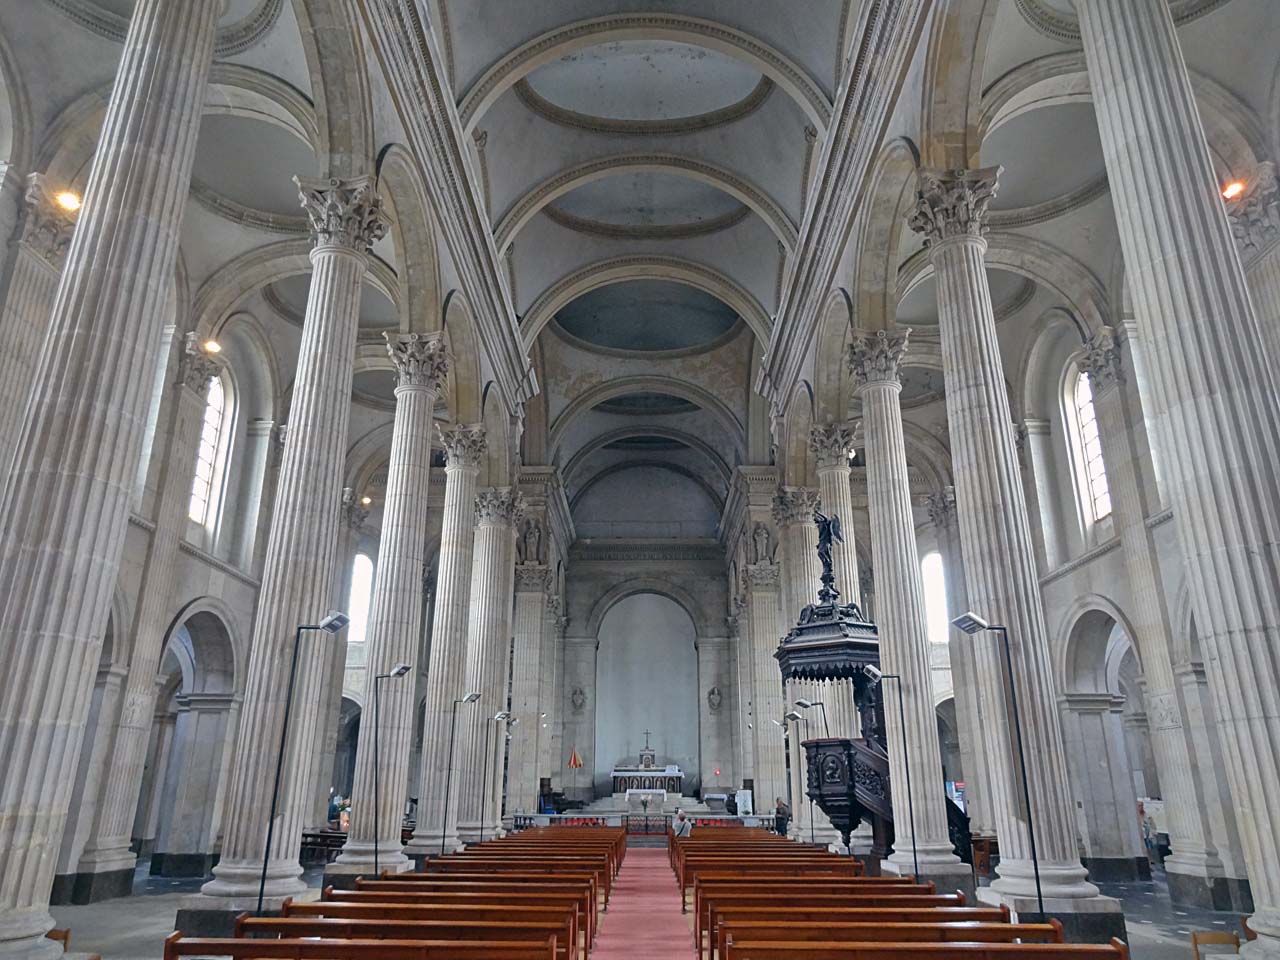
[{"x": 134, "y": 928}]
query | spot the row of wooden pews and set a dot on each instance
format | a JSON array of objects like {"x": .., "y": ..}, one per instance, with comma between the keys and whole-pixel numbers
[
  {"x": 765, "y": 898},
  {"x": 535, "y": 895}
]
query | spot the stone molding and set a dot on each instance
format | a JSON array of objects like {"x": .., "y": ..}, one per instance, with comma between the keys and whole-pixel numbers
[
  {"x": 499, "y": 506},
  {"x": 232, "y": 39},
  {"x": 1072, "y": 566},
  {"x": 1103, "y": 361},
  {"x": 953, "y": 203},
  {"x": 464, "y": 444},
  {"x": 421, "y": 359},
  {"x": 832, "y": 443},
  {"x": 247, "y": 216},
  {"x": 1065, "y": 28},
  {"x": 708, "y": 551},
  {"x": 764, "y": 576},
  {"x": 654, "y": 231},
  {"x": 794, "y": 505},
  {"x": 942, "y": 508},
  {"x": 877, "y": 357},
  {"x": 1255, "y": 214},
  {"x": 47, "y": 228},
  {"x": 344, "y": 213},
  {"x": 532, "y": 578},
  {"x": 197, "y": 367}
]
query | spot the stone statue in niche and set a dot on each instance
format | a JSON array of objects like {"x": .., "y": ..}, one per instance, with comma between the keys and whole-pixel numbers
[
  {"x": 714, "y": 699},
  {"x": 578, "y": 698},
  {"x": 760, "y": 536},
  {"x": 530, "y": 546}
]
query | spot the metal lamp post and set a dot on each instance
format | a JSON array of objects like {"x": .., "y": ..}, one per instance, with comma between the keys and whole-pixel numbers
[
  {"x": 332, "y": 623},
  {"x": 795, "y": 716},
  {"x": 809, "y": 705},
  {"x": 398, "y": 671},
  {"x": 971, "y": 624},
  {"x": 448, "y": 773},
  {"x": 876, "y": 676},
  {"x": 485, "y": 761}
]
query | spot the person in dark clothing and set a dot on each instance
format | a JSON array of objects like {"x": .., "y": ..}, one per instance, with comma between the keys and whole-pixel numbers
[{"x": 781, "y": 817}]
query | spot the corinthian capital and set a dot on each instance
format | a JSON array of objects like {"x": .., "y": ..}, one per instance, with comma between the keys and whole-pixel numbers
[
  {"x": 832, "y": 443},
  {"x": 421, "y": 359},
  {"x": 499, "y": 505},
  {"x": 345, "y": 213},
  {"x": 197, "y": 366},
  {"x": 877, "y": 357},
  {"x": 794, "y": 505},
  {"x": 1255, "y": 214},
  {"x": 942, "y": 507},
  {"x": 764, "y": 576},
  {"x": 953, "y": 203},
  {"x": 1103, "y": 361},
  {"x": 48, "y": 226},
  {"x": 532, "y": 578},
  {"x": 464, "y": 444}
]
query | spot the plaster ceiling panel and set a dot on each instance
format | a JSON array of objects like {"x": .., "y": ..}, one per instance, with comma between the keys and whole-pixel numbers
[
  {"x": 289, "y": 299},
  {"x": 647, "y": 200},
  {"x": 646, "y": 404},
  {"x": 1248, "y": 70},
  {"x": 646, "y": 315},
  {"x": 252, "y": 163},
  {"x": 920, "y": 385},
  {"x": 1012, "y": 42},
  {"x": 236, "y": 11},
  {"x": 1046, "y": 154}
]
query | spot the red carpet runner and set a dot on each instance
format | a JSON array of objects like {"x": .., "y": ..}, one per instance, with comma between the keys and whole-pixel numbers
[{"x": 644, "y": 920}]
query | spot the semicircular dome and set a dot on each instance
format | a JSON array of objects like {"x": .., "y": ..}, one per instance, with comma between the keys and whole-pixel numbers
[
  {"x": 646, "y": 404},
  {"x": 644, "y": 80},
  {"x": 646, "y": 315}
]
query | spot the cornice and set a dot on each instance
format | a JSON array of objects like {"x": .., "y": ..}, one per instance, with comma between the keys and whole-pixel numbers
[
  {"x": 244, "y": 215},
  {"x": 1050, "y": 209},
  {"x": 617, "y": 127},
  {"x": 655, "y": 231},
  {"x": 220, "y": 565},
  {"x": 1065, "y": 28},
  {"x": 661, "y": 551},
  {"x": 232, "y": 39},
  {"x": 1084, "y": 559}
]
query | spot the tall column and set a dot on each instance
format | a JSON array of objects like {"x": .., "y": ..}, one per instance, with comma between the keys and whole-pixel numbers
[
  {"x": 24, "y": 319},
  {"x": 743, "y": 673},
  {"x": 1255, "y": 221},
  {"x": 528, "y": 667},
  {"x": 798, "y": 549},
  {"x": 764, "y": 633},
  {"x": 875, "y": 361},
  {"x": 498, "y": 511},
  {"x": 999, "y": 562},
  {"x": 395, "y": 612},
  {"x": 1215, "y": 394},
  {"x": 65, "y": 503},
  {"x": 579, "y": 710},
  {"x": 973, "y": 743},
  {"x": 551, "y": 691},
  {"x": 464, "y": 446},
  {"x": 297, "y": 582},
  {"x": 1194, "y": 868},
  {"x": 108, "y": 858}
]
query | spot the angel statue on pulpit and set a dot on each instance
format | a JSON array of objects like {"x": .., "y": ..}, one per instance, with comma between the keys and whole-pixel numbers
[{"x": 828, "y": 531}]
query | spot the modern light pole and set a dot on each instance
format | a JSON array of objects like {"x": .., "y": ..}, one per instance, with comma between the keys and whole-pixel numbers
[
  {"x": 332, "y": 623},
  {"x": 485, "y": 760},
  {"x": 873, "y": 673},
  {"x": 810, "y": 704},
  {"x": 448, "y": 773},
  {"x": 398, "y": 671},
  {"x": 971, "y": 624},
  {"x": 795, "y": 716}
]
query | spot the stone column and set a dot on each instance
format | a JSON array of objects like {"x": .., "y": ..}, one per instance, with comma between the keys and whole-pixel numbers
[
  {"x": 108, "y": 857},
  {"x": 67, "y": 494},
  {"x": 395, "y": 611},
  {"x": 798, "y": 550},
  {"x": 715, "y": 720},
  {"x": 1193, "y": 866},
  {"x": 579, "y": 710},
  {"x": 147, "y": 823},
  {"x": 973, "y": 744},
  {"x": 550, "y": 691},
  {"x": 874, "y": 361},
  {"x": 297, "y": 582},
  {"x": 464, "y": 446},
  {"x": 764, "y": 633},
  {"x": 528, "y": 669},
  {"x": 1035, "y": 457},
  {"x": 743, "y": 672},
  {"x": 24, "y": 320},
  {"x": 498, "y": 511},
  {"x": 1215, "y": 394},
  {"x": 1255, "y": 221},
  {"x": 1000, "y": 567}
]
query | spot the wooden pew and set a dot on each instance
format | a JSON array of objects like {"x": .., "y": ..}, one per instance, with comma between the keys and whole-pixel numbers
[
  {"x": 943, "y": 932},
  {"x": 176, "y": 945},
  {"x": 818, "y": 950},
  {"x": 801, "y": 865},
  {"x": 462, "y": 863},
  {"x": 528, "y": 878},
  {"x": 336, "y": 928}
]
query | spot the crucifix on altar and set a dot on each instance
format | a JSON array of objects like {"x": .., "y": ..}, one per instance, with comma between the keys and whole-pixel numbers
[{"x": 647, "y": 756}]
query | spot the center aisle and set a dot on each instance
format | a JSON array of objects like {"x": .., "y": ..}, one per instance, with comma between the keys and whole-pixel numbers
[{"x": 644, "y": 921}]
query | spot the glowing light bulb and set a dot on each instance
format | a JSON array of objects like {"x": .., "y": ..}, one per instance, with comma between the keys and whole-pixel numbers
[
  {"x": 68, "y": 201},
  {"x": 1233, "y": 190},
  {"x": 366, "y": 500},
  {"x": 212, "y": 346}
]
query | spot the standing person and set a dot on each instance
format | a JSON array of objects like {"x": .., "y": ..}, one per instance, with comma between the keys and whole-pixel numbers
[
  {"x": 682, "y": 826},
  {"x": 781, "y": 816}
]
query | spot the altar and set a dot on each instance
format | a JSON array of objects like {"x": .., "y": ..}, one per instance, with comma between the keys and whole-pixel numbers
[{"x": 647, "y": 775}]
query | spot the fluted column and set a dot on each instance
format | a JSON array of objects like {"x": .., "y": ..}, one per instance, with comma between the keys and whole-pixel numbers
[
  {"x": 528, "y": 666},
  {"x": 498, "y": 511},
  {"x": 464, "y": 446},
  {"x": 108, "y": 848},
  {"x": 395, "y": 612},
  {"x": 66, "y": 497},
  {"x": 1193, "y": 862},
  {"x": 1255, "y": 221},
  {"x": 875, "y": 361},
  {"x": 973, "y": 744},
  {"x": 764, "y": 633},
  {"x": 999, "y": 559},
  {"x": 1215, "y": 392},
  {"x": 550, "y": 690},
  {"x": 24, "y": 319},
  {"x": 297, "y": 581}
]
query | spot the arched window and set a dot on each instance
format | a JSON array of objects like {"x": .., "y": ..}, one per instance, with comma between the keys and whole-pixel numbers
[
  {"x": 205, "y": 489},
  {"x": 1091, "y": 473},
  {"x": 934, "y": 579},
  {"x": 360, "y": 598}
]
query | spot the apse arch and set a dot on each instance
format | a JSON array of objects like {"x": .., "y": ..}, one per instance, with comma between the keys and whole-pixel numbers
[
  {"x": 891, "y": 195},
  {"x": 715, "y": 496},
  {"x": 339, "y": 85},
  {"x": 666, "y": 433},
  {"x": 832, "y": 385},
  {"x": 557, "y": 185},
  {"x": 415, "y": 240},
  {"x": 561, "y": 41},
  {"x": 1085, "y": 662},
  {"x": 464, "y": 386},
  {"x": 703, "y": 620}
]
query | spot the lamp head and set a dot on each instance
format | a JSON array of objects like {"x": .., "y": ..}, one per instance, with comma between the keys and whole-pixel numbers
[
  {"x": 502, "y": 715},
  {"x": 873, "y": 673},
  {"x": 334, "y": 621},
  {"x": 470, "y": 697},
  {"x": 807, "y": 704},
  {"x": 793, "y": 715},
  {"x": 778, "y": 722},
  {"x": 513, "y": 721},
  {"x": 399, "y": 670},
  {"x": 970, "y": 623}
]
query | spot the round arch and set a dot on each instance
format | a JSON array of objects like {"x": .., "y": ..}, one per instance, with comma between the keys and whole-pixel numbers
[
  {"x": 464, "y": 387},
  {"x": 704, "y": 621},
  {"x": 716, "y": 497},
  {"x": 414, "y": 237},
  {"x": 212, "y": 646},
  {"x": 1083, "y": 653},
  {"x": 667, "y": 433}
]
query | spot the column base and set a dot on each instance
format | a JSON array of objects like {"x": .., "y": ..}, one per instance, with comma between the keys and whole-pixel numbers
[
  {"x": 342, "y": 876},
  {"x": 1084, "y": 919},
  {"x": 182, "y": 864},
  {"x": 88, "y": 887},
  {"x": 946, "y": 877},
  {"x": 469, "y": 833},
  {"x": 1117, "y": 869},
  {"x": 1190, "y": 889},
  {"x": 22, "y": 936},
  {"x": 203, "y": 916},
  {"x": 426, "y": 846}
]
